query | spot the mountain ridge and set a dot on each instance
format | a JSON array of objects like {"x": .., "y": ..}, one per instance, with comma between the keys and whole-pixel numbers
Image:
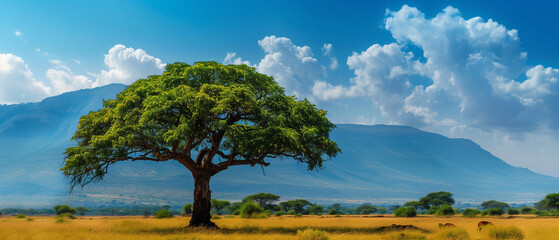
[{"x": 378, "y": 163}]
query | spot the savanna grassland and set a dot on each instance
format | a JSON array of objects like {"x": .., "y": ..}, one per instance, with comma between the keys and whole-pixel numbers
[{"x": 284, "y": 227}]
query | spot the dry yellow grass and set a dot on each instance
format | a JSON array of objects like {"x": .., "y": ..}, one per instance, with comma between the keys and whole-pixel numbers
[{"x": 284, "y": 227}]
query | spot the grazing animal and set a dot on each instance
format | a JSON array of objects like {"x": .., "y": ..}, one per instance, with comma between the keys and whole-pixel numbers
[
  {"x": 446, "y": 225},
  {"x": 483, "y": 223}
]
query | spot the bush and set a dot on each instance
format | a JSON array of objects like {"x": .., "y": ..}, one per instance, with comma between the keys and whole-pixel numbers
[
  {"x": 332, "y": 212},
  {"x": 405, "y": 212},
  {"x": 60, "y": 209},
  {"x": 527, "y": 210},
  {"x": 61, "y": 220},
  {"x": 433, "y": 210},
  {"x": 451, "y": 234},
  {"x": 499, "y": 232},
  {"x": 290, "y": 212},
  {"x": 251, "y": 210},
  {"x": 492, "y": 212},
  {"x": 470, "y": 212},
  {"x": 269, "y": 212},
  {"x": 445, "y": 210},
  {"x": 163, "y": 213},
  {"x": 20, "y": 216},
  {"x": 237, "y": 212},
  {"x": 298, "y": 215},
  {"x": 279, "y": 213},
  {"x": 67, "y": 215},
  {"x": 513, "y": 211},
  {"x": 312, "y": 234}
]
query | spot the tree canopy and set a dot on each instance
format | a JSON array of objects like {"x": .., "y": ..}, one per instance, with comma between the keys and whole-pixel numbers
[
  {"x": 208, "y": 117},
  {"x": 494, "y": 204},
  {"x": 436, "y": 199},
  {"x": 551, "y": 201},
  {"x": 219, "y": 205},
  {"x": 265, "y": 200}
]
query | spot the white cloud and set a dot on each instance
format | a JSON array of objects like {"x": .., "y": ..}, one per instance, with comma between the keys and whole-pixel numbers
[
  {"x": 294, "y": 67},
  {"x": 18, "y": 33},
  {"x": 17, "y": 83},
  {"x": 64, "y": 80},
  {"x": 327, "y": 51},
  {"x": 230, "y": 59},
  {"x": 126, "y": 65}
]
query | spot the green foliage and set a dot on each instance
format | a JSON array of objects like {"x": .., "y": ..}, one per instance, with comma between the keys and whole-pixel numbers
[
  {"x": 297, "y": 205},
  {"x": 291, "y": 212},
  {"x": 504, "y": 232},
  {"x": 415, "y": 204},
  {"x": 492, "y": 212},
  {"x": 405, "y": 212},
  {"x": 242, "y": 115},
  {"x": 67, "y": 215},
  {"x": 279, "y": 213},
  {"x": 163, "y": 213},
  {"x": 436, "y": 199},
  {"x": 527, "y": 210},
  {"x": 312, "y": 234},
  {"x": 237, "y": 212},
  {"x": 315, "y": 210},
  {"x": 82, "y": 210},
  {"x": 382, "y": 210},
  {"x": 494, "y": 204},
  {"x": 61, "y": 220},
  {"x": 219, "y": 205},
  {"x": 147, "y": 213},
  {"x": 187, "y": 209},
  {"x": 265, "y": 200},
  {"x": 453, "y": 233},
  {"x": 332, "y": 212},
  {"x": 251, "y": 210},
  {"x": 513, "y": 211},
  {"x": 60, "y": 209},
  {"x": 551, "y": 201},
  {"x": 366, "y": 209},
  {"x": 445, "y": 210},
  {"x": 298, "y": 215},
  {"x": 470, "y": 212},
  {"x": 20, "y": 216},
  {"x": 433, "y": 210}
]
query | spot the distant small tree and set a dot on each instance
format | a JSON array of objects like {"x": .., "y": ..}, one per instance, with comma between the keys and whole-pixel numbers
[
  {"x": 82, "y": 210},
  {"x": 219, "y": 205},
  {"x": 147, "y": 213},
  {"x": 163, "y": 213},
  {"x": 251, "y": 210},
  {"x": 366, "y": 209},
  {"x": 492, "y": 212},
  {"x": 315, "y": 209},
  {"x": 415, "y": 204},
  {"x": 336, "y": 206},
  {"x": 60, "y": 209},
  {"x": 297, "y": 205},
  {"x": 470, "y": 212},
  {"x": 405, "y": 212},
  {"x": 526, "y": 210},
  {"x": 513, "y": 211},
  {"x": 494, "y": 204},
  {"x": 236, "y": 206},
  {"x": 187, "y": 209},
  {"x": 445, "y": 210},
  {"x": 382, "y": 210},
  {"x": 551, "y": 201},
  {"x": 265, "y": 200},
  {"x": 394, "y": 207},
  {"x": 436, "y": 199},
  {"x": 333, "y": 212}
]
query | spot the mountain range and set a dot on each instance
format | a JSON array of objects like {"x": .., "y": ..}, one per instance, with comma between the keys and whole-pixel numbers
[{"x": 378, "y": 164}]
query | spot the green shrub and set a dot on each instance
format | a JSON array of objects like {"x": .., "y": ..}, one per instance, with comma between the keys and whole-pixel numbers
[
  {"x": 406, "y": 212},
  {"x": 298, "y": 215},
  {"x": 527, "y": 210},
  {"x": 433, "y": 210},
  {"x": 20, "y": 216},
  {"x": 30, "y": 219},
  {"x": 312, "y": 234},
  {"x": 279, "y": 213},
  {"x": 269, "y": 212},
  {"x": 68, "y": 215},
  {"x": 470, "y": 212},
  {"x": 237, "y": 212},
  {"x": 61, "y": 220},
  {"x": 500, "y": 232},
  {"x": 445, "y": 210},
  {"x": 60, "y": 209},
  {"x": 290, "y": 212},
  {"x": 513, "y": 211},
  {"x": 453, "y": 233},
  {"x": 251, "y": 210},
  {"x": 332, "y": 212},
  {"x": 492, "y": 212},
  {"x": 163, "y": 213}
]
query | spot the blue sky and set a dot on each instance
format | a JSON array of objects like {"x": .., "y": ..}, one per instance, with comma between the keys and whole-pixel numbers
[{"x": 485, "y": 70}]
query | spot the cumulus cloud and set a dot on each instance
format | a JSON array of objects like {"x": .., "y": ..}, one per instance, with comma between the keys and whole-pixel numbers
[
  {"x": 17, "y": 83},
  {"x": 327, "y": 51},
  {"x": 231, "y": 58},
  {"x": 294, "y": 67},
  {"x": 470, "y": 72},
  {"x": 126, "y": 65},
  {"x": 18, "y": 33}
]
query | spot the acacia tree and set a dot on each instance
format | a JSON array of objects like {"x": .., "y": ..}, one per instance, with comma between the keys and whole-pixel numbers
[
  {"x": 208, "y": 117},
  {"x": 265, "y": 200}
]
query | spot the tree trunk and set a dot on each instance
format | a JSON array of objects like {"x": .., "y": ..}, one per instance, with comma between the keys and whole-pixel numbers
[{"x": 201, "y": 206}]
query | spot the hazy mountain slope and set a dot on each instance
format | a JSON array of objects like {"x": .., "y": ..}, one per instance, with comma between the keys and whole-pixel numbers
[{"x": 377, "y": 163}]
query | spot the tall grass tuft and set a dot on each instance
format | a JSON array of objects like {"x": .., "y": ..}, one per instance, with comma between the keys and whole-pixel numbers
[
  {"x": 312, "y": 234},
  {"x": 451, "y": 233},
  {"x": 504, "y": 233}
]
